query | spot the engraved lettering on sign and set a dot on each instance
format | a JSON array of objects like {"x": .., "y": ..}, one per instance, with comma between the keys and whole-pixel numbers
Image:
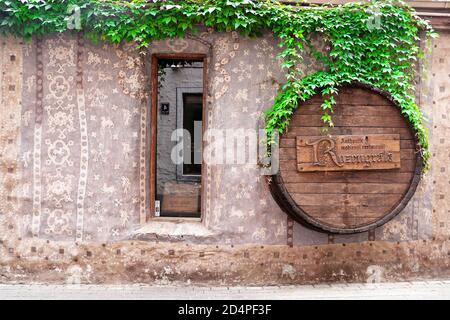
[{"x": 348, "y": 152}]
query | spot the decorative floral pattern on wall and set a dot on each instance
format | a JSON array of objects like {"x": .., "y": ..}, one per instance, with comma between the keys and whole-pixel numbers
[
  {"x": 81, "y": 169},
  {"x": 84, "y": 157}
]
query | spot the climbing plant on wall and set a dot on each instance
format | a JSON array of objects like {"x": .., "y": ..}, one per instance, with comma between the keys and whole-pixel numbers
[{"x": 376, "y": 43}]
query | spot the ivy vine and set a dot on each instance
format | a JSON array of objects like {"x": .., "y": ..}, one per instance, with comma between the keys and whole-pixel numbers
[{"x": 376, "y": 43}]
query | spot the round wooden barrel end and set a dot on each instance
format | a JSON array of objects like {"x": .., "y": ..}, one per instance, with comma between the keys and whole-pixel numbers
[{"x": 354, "y": 176}]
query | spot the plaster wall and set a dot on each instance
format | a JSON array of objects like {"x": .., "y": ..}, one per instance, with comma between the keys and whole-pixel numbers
[{"x": 74, "y": 145}]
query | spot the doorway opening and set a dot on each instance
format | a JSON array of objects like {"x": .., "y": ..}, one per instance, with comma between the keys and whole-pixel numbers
[{"x": 177, "y": 136}]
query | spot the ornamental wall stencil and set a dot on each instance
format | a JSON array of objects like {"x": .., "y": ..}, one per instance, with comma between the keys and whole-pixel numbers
[
  {"x": 61, "y": 122},
  {"x": 59, "y": 87},
  {"x": 59, "y": 188},
  {"x": 114, "y": 84},
  {"x": 37, "y": 142},
  {"x": 109, "y": 157},
  {"x": 130, "y": 76},
  {"x": 84, "y": 143},
  {"x": 96, "y": 97},
  {"x": 243, "y": 71},
  {"x": 93, "y": 59},
  {"x": 101, "y": 194},
  {"x": 58, "y": 168},
  {"x": 58, "y": 222},
  {"x": 100, "y": 129},
  {"x": 11, "y": 66},
  {"x": 177, "y": 45},
  {"x": 224, "y": 50},
  {"x": 61, "y": 56},
  {"x": 59, "y": 153},
  {"x": 75, "y": 83},
  {"x": 131, "y": 84},
  {"x": 249, "y": 72}
]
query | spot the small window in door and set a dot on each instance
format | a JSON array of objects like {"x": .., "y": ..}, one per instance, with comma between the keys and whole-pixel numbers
[{"x": 179, "y": 138}]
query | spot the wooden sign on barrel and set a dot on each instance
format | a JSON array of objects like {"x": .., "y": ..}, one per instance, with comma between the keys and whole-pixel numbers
[{"x": 348, "y": 152}]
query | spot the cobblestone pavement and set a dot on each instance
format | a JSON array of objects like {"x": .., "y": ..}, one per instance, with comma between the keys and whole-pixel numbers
[{"x": 398, "y": 290}]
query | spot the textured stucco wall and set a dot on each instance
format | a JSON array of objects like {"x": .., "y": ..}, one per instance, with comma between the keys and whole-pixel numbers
[{"x": 74, "y": 174}]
